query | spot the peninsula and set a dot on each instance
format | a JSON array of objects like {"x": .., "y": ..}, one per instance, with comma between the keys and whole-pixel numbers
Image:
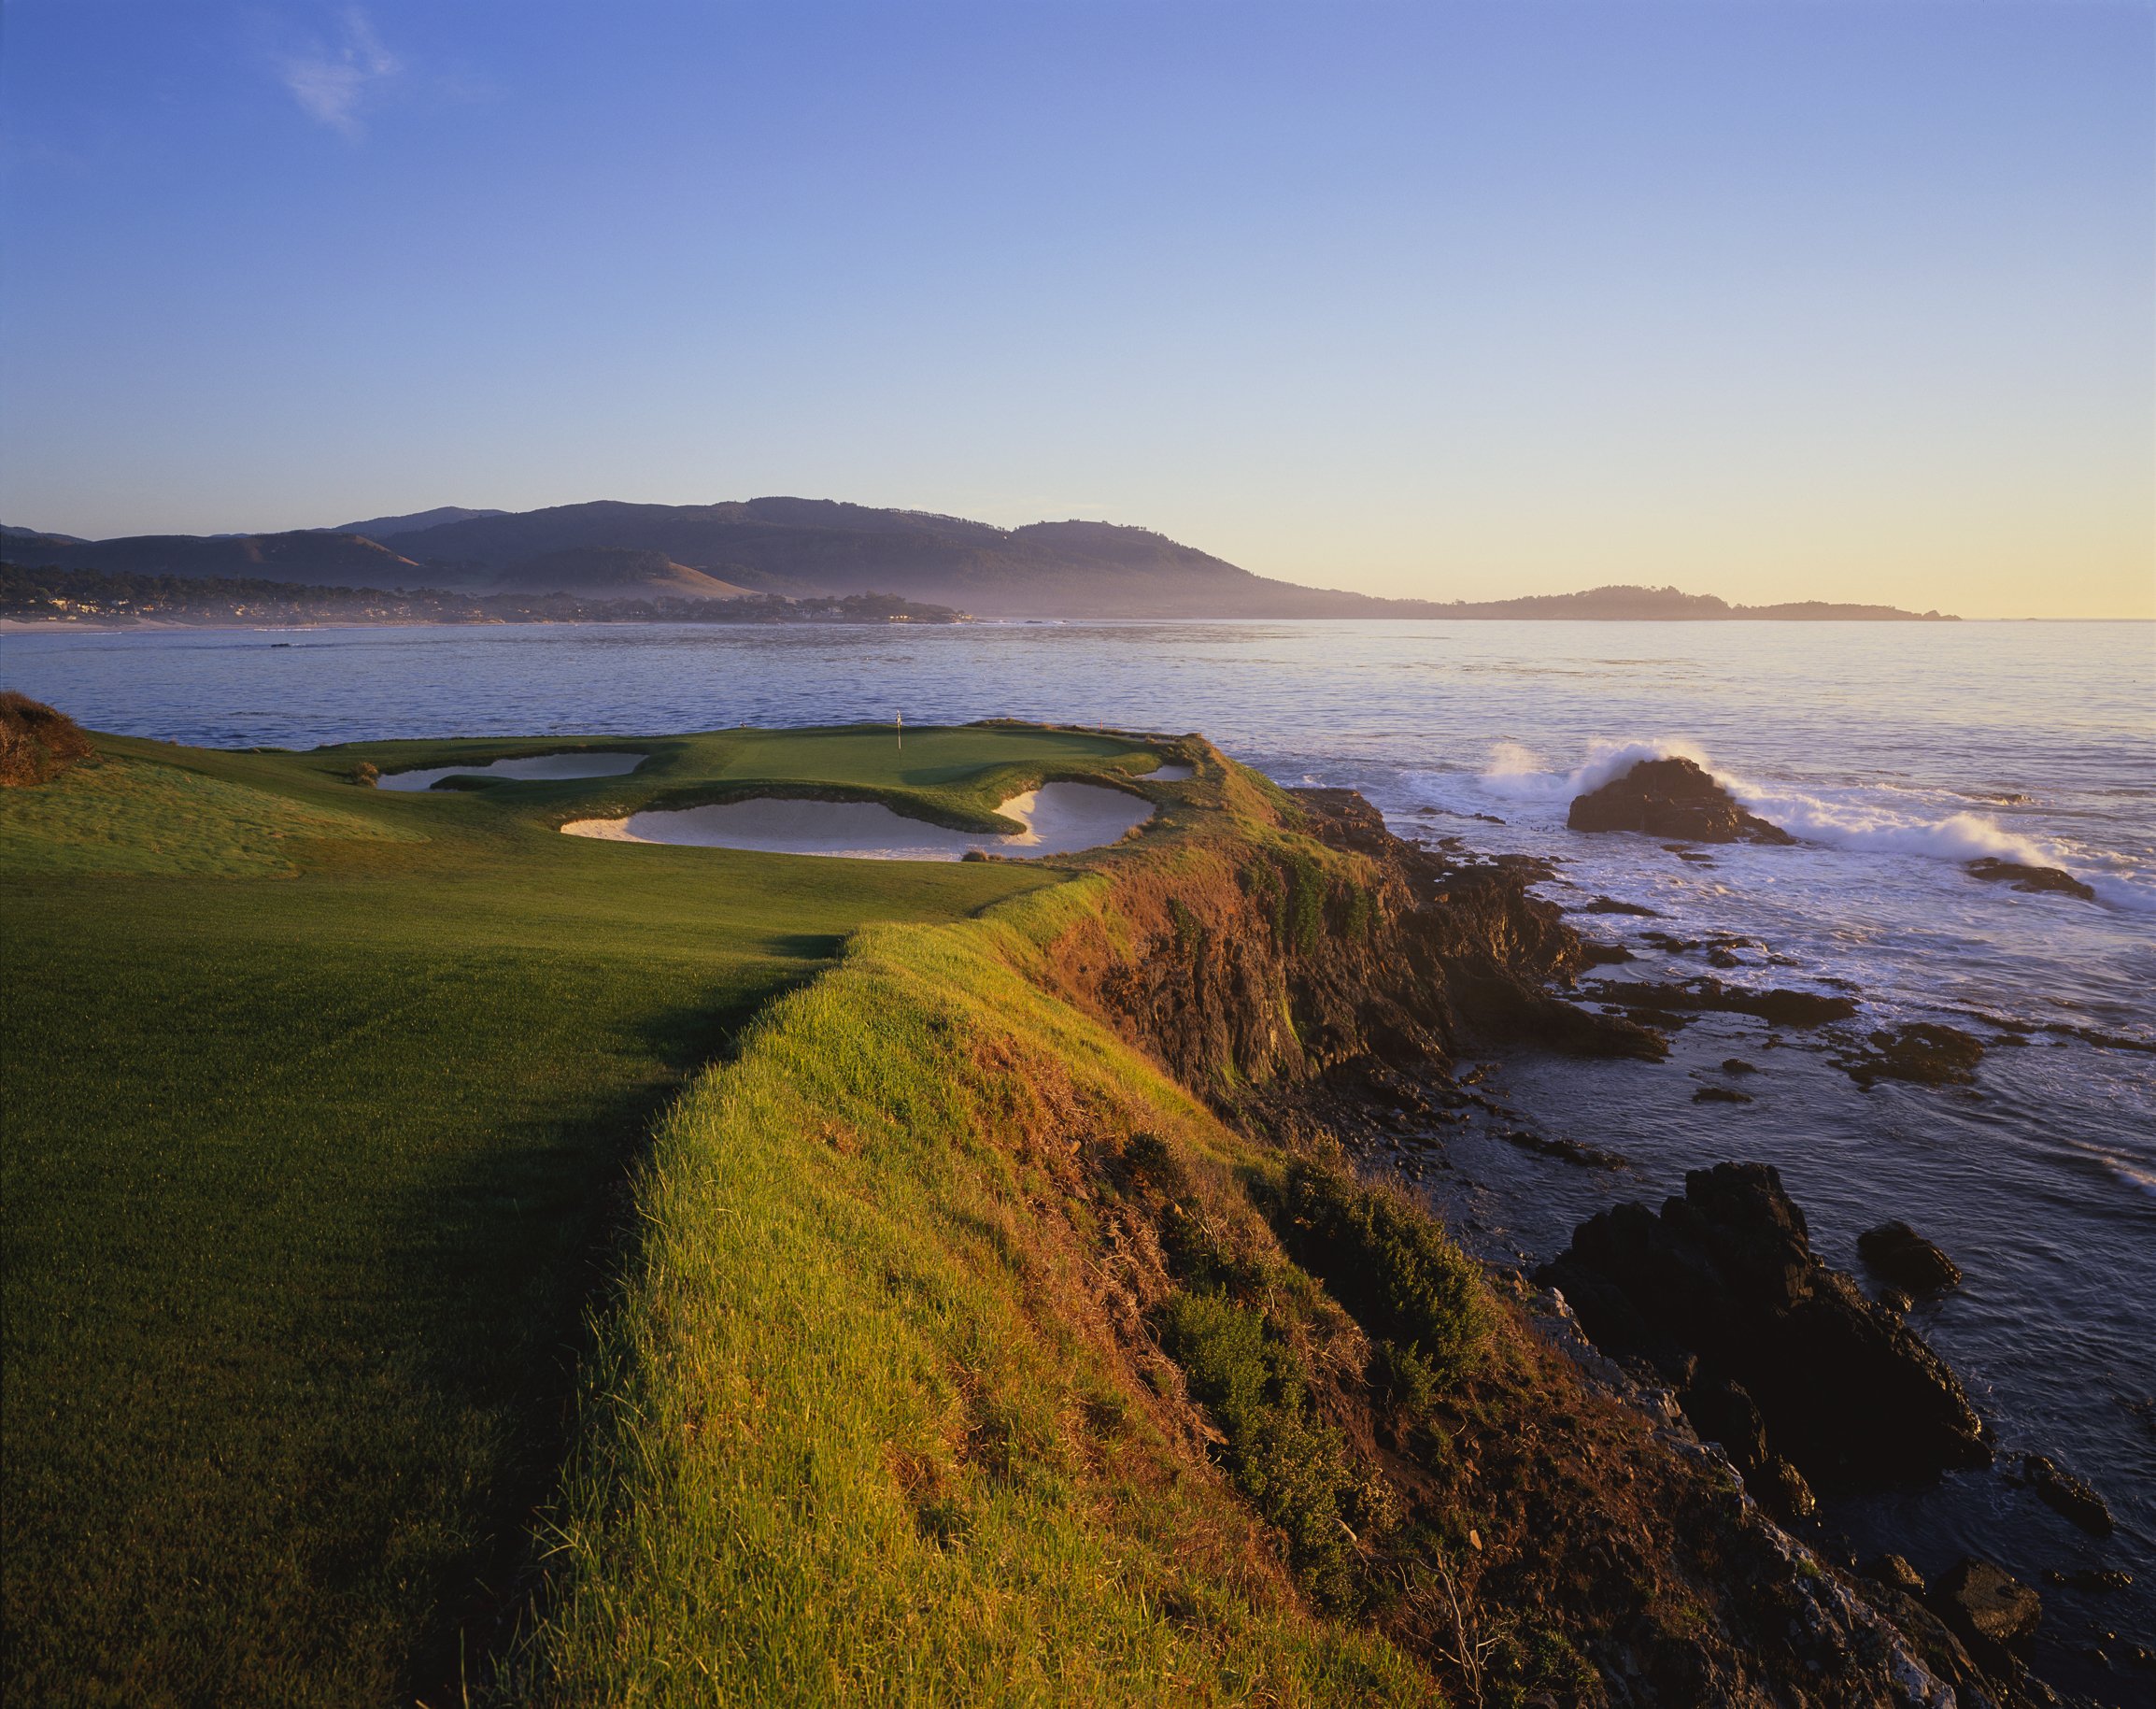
[{"x": 582, "y": 1265}]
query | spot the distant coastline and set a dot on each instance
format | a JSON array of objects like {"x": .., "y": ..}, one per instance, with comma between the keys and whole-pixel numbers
[
  {"x": 95, "y": 598},
  {"x": 795, "y": 550}
]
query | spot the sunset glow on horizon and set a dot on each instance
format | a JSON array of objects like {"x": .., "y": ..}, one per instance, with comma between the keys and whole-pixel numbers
[{"x": 1774, "y": 302}]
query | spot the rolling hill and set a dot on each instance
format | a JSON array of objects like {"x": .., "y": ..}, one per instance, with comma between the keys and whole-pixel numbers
[{"x": 815, "y": 547}]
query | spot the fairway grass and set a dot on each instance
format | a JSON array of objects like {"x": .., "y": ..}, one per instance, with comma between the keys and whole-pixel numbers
[{"x": 318, "y": 1105}]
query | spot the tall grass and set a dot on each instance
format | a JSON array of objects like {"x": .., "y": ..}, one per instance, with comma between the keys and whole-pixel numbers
[{"x": 861, "y": 1428}]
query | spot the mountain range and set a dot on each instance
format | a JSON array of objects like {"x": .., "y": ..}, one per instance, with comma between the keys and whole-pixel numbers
[{"x": 800, "y": 548}]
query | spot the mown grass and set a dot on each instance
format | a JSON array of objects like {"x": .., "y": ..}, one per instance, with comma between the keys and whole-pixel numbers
[
  {"x": 317, "y": 1100},
  {"x": 949, "y": 775}
]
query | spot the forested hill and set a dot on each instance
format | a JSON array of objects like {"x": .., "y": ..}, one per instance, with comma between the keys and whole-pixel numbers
[{"x": 815, "y": 547}]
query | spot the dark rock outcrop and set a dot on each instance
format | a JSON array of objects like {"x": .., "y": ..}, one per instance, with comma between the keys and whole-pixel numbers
[
  {"x": 1609, "y": 905},
  {"x": 1986, "y": 1606},
  {"x": 2065, "y": 1493},
  {"x": 2035, "y": 879},
  {"x": 1781, "y": 1008},
  {"x": 1923, "y": 1052},
  {"x": 1904, "y": 1258},
  {"x": 1671, "y": 798},
  {"x": 1723, "y": 1282}
]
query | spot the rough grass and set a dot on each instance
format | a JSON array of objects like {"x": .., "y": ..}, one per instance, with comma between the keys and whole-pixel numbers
[
  {"x": 36, "y": 742},
  {"x": 859, "y": 1428},
  {"x": 317, "y": 1099}
]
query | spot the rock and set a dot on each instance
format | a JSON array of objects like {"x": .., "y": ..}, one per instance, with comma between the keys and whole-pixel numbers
[
  {"x": 2097, "y": 1580},
  {"x": 1904, "y": 1258},
  {"x": 1720, "y": 1094},
  {"x": 2035, "y": 879},
  {"x": 1893, "y": 1570},
  {"x": 1671, "y": 798},
  {"x": 2067, "y": 1494},
  {"x": 1721, "y": 1411},
  {"x": 1726, "y": 1274},
  {"x": 1609, "y": 905},
  {"x": 1565, "y": 1150},
  {"x": 1780, "y": 1488},
  {"x": 1897, "y": 1302},
  {"x": 1987, "y": 1606},
  {"x": 1597, "y": 954},
  {"x": 1923, "y": 1052},
  {"x": 1736, "y": 1065},
  {"x": 1781, "y": 1008}
]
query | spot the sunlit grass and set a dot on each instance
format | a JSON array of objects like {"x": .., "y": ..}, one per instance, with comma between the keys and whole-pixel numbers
[{"x": 308, "y": 1174}]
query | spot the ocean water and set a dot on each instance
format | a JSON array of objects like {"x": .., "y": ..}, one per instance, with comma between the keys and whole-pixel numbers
[{"x": 1897, "y": 752}]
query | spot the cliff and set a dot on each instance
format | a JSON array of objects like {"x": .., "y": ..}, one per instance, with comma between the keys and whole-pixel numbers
[{"x": 1008, "y": 1319}]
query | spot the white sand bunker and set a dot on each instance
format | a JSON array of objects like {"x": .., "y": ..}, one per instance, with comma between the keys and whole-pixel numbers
[
  {"x": 537, "y": 768},
  {"x": 1174, "y": 771},
  {"x": 1059, "y": 819}
]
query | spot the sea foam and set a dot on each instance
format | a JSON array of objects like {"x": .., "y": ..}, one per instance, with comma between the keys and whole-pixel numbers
[{"x": 1515, "y": 774}]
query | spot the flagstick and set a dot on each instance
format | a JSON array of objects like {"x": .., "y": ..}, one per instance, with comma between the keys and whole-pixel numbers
[{"x": 902, "y": 721}]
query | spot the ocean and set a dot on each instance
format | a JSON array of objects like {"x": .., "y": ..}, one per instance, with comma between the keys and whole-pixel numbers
[{"x": 1897, "y": 752}]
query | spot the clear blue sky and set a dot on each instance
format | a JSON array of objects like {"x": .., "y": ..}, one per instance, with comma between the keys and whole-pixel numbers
[{"x": 1770, "y": 300}]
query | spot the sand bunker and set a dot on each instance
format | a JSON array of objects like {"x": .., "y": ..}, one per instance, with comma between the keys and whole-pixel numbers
[
  {"x": 1059, "y": 819},
  {"x": 1173, "y": 771},
  {"x": 537, "y": 768}
]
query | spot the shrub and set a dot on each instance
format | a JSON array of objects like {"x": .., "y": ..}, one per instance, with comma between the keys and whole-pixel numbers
[
  {"x": 1389, "y": 1263},
  {"x": 36, "y": 742},
  {"x": 367, "y": 774},
  {"x": 1292, "y": 1467}
]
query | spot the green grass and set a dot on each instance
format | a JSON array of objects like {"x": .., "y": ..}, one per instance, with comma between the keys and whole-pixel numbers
[
  {"x": 319, "y": 1101},
  {"x": 955, "y": 777},
  {"x": 856, "y": 1430}
]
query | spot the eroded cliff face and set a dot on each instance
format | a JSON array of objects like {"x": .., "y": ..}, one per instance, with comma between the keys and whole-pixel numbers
[
  {"x": 1339, "y": 950},
  {"x": 1320, "y": 966}
]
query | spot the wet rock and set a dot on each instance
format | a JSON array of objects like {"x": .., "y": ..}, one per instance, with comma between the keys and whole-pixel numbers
[
  {"x": 1782, "y": 1008},
  {"x": 2098, "y": 1581},
  {"x": 1726, "y": 1274},
  {"x": 1897, "y": 1302},
  {"x": 1609, "y": 905},
  {"x": 1721, "y": 957},
  {"x": 1603, "y": 955},
  {"x": 1565, "y": 1150},
  {"x": 1720, "y": 1094},
  {"x": 1985, "y": 1605},
  {"x": 2035, "y": 879},
  {"x": 1671, "y": 798},
  {"x": 1893, "y": 1570},
  {"x": 2061, "y": 1491},
  {"x": 1924, "y": 1053},
  {"x": 1902, "y": 1255},
  {"x": 1736, "y": 1065}
]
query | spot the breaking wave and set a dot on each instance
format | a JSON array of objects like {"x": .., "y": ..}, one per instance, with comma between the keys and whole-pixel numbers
[{"x": 1516, "y": 773}]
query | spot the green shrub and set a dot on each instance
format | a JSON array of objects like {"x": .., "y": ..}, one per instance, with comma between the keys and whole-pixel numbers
[
  {"x": 1291, "y": 1466},
  {"x": 1390, "y": 1265}
]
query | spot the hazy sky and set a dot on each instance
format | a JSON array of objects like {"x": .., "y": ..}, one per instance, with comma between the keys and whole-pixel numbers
[{"x": 1767, "y": 300}]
